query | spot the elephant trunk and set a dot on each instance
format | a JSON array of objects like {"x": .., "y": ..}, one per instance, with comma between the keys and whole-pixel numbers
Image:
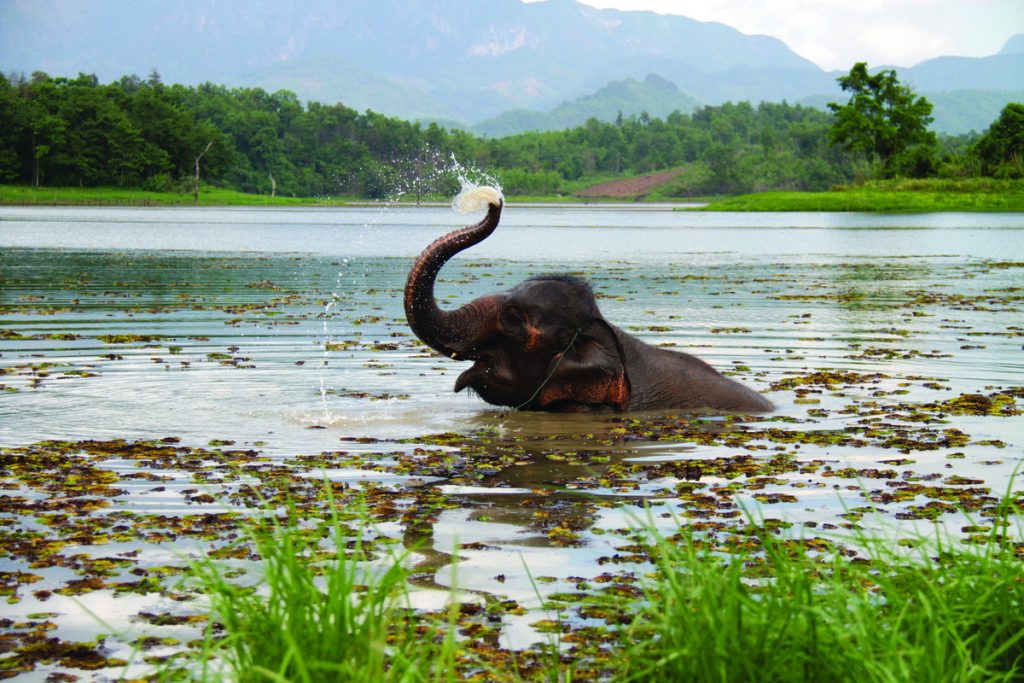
[{"x": 453, "y": 333}]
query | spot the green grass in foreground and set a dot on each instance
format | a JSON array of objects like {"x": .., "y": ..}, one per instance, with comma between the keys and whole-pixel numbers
[
  {"x": 758, "y": 608},
  {"x": 919, "y": 196},
  {"x": 318, "y": 615},
  {"x": 785, "y": 615}
]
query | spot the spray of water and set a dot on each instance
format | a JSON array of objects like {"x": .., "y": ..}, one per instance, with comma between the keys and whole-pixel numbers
[
  {"x": 325, "y": 358},
  {"x": 326, "y": 339},
  {"x": 475, "y": 198},
  {"x": 429, "y": 174},
  {"x": 415, "y": 177}
]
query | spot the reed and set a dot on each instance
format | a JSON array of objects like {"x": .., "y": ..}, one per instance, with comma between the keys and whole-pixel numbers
[
  {"x": 776, "y": 611},
  {"x": 745, "y": 606},
  {"x": 319, "y": 613}
]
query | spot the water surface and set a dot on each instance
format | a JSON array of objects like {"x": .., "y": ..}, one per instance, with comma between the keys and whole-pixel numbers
[{"x": 281, "y": 332}]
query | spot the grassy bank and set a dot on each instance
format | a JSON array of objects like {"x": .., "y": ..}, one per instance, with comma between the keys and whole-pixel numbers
[
  {"x": 910, "y": 196},
  {"x": 117, "y": 196},
  {"x": 19, "y": 195},
  {"x": 895, "y": 196},
  {"x": 737, "y": 607}
]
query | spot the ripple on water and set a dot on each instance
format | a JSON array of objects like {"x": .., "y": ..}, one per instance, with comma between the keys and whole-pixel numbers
[{"x": 273, "y": 371}]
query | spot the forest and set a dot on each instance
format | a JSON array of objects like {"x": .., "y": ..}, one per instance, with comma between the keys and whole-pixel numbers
[{"x": 142, "y": 133}]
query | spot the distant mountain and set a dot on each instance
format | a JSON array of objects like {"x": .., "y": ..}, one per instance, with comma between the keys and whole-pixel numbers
[
  {"x": 954, "y": 111},
  {"x": 961, "y": 111},
  {"x": 968, "y": 92},
  {"x": 336, "y": 79},
  {"x": 1013, "y": 46},
  {"x": 654, "y": 95},
  {"x": 459, "y": 61},
  {"x": 998, "y": 72}
]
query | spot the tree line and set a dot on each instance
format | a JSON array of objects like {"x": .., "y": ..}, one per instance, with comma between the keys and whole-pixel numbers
[{"x": 60, "y": 131}]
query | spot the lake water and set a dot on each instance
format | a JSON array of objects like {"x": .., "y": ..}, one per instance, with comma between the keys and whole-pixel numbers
[
  {"x": 281, "y": 331},
  {"x": 281, "y": 283}
]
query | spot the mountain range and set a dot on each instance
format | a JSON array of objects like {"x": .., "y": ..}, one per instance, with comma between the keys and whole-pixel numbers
[{"x": 495, "y": 67}]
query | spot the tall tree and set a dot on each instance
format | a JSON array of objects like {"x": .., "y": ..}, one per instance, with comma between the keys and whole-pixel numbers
[
  {"x": 885, "y": 121},
  {"x": 142, "y": 133},
  {"x": 1001, "y": 149},
  {"x": 12, "y": 131}
]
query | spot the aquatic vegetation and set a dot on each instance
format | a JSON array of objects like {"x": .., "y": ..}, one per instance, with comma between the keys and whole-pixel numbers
[
  {"x": 318, "y": 612},
  {"x": 83, "y": 505},
  {"x": 32, "y": 647},
  {"x": 785, "y": 611},
  {"x": 127, "y": 338},
  {"x": 300, "y": 389},
  {"x": 747, "y": 604}
]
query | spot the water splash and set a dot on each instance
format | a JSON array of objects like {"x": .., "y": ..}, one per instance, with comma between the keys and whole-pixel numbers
[
  {"x": 323, "y": 365},
  {"x": 427, "y": 174},
  {"x": 471, "y": 179},
  {"x": 476, "y": 198},
  {"x": 326, "y": 338}
]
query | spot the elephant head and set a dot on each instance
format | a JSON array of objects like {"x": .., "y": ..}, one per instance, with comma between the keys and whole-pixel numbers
[{"x": 543, "y": 345}]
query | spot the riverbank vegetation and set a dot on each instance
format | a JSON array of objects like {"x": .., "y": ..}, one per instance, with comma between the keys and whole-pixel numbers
[
  {"x": 125, "y": 196},
  {"x": 144, "y": 135},
  {"x": 895, "y": 196}
]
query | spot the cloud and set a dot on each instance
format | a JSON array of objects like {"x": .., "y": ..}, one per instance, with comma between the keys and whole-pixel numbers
[{"x": 836, "y": 33}]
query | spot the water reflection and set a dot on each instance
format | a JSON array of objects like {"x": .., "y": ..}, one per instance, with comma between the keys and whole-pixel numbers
[
  {"x": 148, "y": 325},
  {"x": 537, "y": 234}
]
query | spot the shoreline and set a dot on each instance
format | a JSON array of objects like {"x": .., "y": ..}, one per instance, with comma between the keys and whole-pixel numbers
[{"x": 883, "y": 197}]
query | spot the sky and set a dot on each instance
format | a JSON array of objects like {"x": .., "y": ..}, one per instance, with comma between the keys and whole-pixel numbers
[{"x": 834, "y": 34}]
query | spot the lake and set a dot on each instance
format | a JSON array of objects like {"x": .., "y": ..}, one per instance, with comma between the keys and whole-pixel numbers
[{"x": 275, "y": 340}]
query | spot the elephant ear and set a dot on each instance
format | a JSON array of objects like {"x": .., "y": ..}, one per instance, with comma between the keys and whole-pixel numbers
[{"x": 591, "y": 372}]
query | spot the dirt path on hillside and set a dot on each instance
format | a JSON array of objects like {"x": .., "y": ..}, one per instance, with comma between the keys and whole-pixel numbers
[{"x": 630, "y": 187}]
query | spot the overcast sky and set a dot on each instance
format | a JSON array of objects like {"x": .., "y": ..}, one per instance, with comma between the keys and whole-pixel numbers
[{"x": 834, "y": 34}]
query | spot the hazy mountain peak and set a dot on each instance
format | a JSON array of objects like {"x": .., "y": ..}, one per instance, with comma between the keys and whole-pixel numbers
[
  {"x": 658, "y": 83},
  {"x": 456, "y": 60},
  {"x": 628, "y": 97},
  {"x": 476, "y": 59},
  {"x": 1014, "y": 45}
]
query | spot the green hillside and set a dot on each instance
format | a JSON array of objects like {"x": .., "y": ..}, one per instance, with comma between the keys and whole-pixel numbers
[
  {"x": 144, "y": 135},
  {"x": 628, "y": 97}
]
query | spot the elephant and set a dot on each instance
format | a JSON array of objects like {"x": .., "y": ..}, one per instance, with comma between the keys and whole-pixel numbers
[{"x": 544, "y": 345}]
